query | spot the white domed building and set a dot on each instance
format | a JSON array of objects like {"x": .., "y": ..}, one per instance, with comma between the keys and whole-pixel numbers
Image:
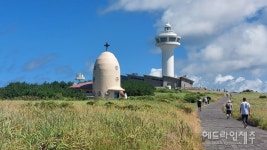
[{"x": 106, "y": 77}]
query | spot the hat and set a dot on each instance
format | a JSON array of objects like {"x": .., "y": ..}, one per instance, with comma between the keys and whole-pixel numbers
[{"x": 229, "y": 101}]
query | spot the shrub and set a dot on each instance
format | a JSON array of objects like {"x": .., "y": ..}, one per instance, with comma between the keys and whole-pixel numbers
[
  {"x": 109, "y": 104},
  {"x": 247, "y": 90},
  {"x": 90, "y": 103},
  {"x": 165, "y": 90},
  {"x": 173, "y": 96},
  {"x": 187, "y": 110},
  {"x": 55, "y": 90},
  {"x": 65, "y": 105},
  {"x": 191, "y": 98},
  {"x": 131, "y": 107},
  {"x": 147, "y": 106},
  {"x": 262, "y": 96},
  {"x": 46, "y": 105},
  {"x": 254, "y": 121},
  {"x": 263, "y": 125},
  {"x": 146, "y": 97},
  {"x": 138, "y": 88}
]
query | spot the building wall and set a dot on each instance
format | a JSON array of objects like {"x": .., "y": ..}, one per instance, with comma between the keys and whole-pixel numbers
[
  {"x": 155, "y": 81},
  {"x": 185, "y": 83},
  {"x": 171, "y": 82},
  {"x": 165, "y": 81}
]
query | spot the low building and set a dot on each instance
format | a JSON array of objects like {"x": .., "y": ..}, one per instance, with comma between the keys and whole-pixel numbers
[
  {"x": 84, "y": 87},
  {"x": 180, "y": 82},
  {"x": 169, "y": 82}
]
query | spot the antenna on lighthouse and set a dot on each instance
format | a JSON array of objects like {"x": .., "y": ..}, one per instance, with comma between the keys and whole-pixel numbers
[{"x": 79, "y": 77}]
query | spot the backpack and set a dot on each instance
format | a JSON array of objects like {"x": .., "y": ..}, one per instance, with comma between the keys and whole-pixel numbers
[{"x": 228, "y": 106}]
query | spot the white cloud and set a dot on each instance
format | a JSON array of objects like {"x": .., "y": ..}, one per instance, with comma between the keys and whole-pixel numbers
[
  {"x": 139, "y": 5},
  {"x": 198, "y": 82},
  {"x": 255, "y": 85},
  {"x": 156, "y": 72},
  {"x": 240, "y": 48},
  {"x": 220, "y": 79},
  {"x": 240, "y": 79},
  {"x": 38, "y": 62},
  {"x": 219, "y": 37}
]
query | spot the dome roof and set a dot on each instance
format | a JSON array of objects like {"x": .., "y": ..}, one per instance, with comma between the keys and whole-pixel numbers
[{"x": 108, "y": 57}]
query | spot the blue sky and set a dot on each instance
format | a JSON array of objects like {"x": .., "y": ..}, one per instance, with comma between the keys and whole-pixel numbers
[{"x": 223, "y": 43}]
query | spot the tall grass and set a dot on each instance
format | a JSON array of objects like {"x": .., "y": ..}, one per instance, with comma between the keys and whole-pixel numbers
[
  {"x": 258, "y": 105},
  {"x": 103, "y": 124}
]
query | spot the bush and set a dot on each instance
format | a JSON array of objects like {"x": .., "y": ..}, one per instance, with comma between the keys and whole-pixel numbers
[
  {"x": 247, "y": 90},
  {"x": 131, "y": 107},
  {"x": 191, "y": 98},
  {"x": 254, "y": 121},
  {"x": 146, "y": 97},
  {"x": 138, "y": 88},
  {"x": 262, "y": 96},
  {"x": 46, "y": 105},
  {"x": 65, "y": 105},
  {"x": 165, "y": 90},
  {"x": 55, "y": 90},
  {"x": 187, "y": 110},
  {"x": 108, "y": 104},
  {"x": 90, "y": 103},
  {"x": 263, "y": 125}
]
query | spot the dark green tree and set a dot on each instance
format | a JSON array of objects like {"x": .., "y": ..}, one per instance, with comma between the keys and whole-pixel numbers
[
  {"x": 138, "y": 88},
  {"x": 54, "y": 90}
]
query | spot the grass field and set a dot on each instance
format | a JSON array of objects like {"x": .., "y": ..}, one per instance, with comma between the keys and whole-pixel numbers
[
  {"x": 258, "y": 105},
  {"x": 165, "y": 122}
]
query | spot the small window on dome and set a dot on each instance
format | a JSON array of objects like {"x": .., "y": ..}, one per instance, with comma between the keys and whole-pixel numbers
[
  {"x": 117, "y": 79},
  {"x": 116, "y": 67}
]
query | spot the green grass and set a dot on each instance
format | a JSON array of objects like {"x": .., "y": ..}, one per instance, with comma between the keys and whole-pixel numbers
[
  {"x": 163, "y": 121},
  {"x": 258, "y": 103}
]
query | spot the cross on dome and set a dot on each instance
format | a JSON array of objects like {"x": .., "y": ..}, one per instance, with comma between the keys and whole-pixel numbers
[{"x": 106, "y": 45}]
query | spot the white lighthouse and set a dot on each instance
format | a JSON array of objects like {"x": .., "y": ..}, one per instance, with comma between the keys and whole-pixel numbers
[{"x": 167, "y": 41}]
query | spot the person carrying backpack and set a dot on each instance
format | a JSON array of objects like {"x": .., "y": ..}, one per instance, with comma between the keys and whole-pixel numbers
[
  {"x": 229, "y": 107},
  {"x": 199, "y": 101}
]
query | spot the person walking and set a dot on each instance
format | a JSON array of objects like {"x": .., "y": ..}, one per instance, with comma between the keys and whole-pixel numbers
[
  {"x": 209, "y": 98},
  {"x": 229, "y": 107},
  {"x": 206, "y": 100},
  {"x": 245, "y": 111},
  {"x": 199, "y": 102}
]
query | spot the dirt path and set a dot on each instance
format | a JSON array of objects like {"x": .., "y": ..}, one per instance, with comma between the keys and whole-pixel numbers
[{"x": 220, "y": 133}]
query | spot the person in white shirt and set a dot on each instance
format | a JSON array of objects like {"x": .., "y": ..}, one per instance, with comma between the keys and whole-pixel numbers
[{"x": 245, "y": 111}]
